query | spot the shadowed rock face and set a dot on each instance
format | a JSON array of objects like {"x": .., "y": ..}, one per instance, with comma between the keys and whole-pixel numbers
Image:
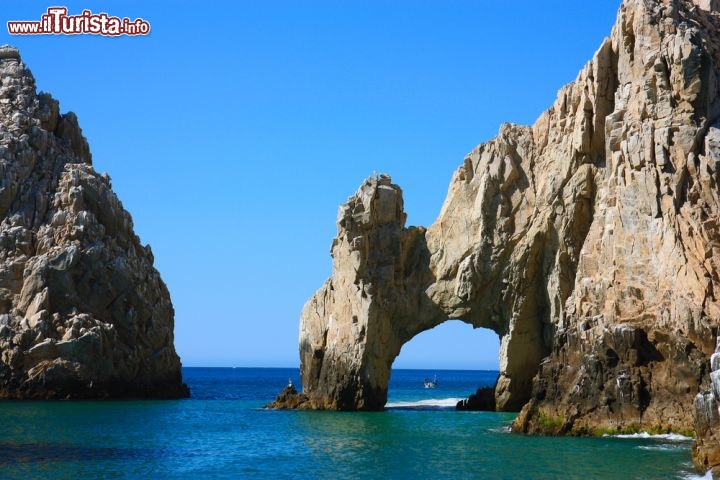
[
  {"x": 83, "y": 313},
  {"x": 706, "y": 450},
  {"x": 589, "y": 242}
]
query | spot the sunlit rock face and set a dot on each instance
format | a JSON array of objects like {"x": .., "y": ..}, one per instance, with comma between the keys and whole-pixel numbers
[
  {"x": 589, "y": 242},
  {"x": 83, "y": 313}
]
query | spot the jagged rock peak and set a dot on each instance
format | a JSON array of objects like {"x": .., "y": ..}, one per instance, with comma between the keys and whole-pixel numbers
[
  {"x": 8, "y": 52},
  {"x": 83, "y": 312},
  {"x": 588, "y": 241}
]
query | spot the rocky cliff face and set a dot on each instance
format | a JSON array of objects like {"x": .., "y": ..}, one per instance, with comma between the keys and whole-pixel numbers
[
  {"x": 589, "y": 242},
  {"x": 83, "y": 313},
  {"x": 635, "y": 312}
]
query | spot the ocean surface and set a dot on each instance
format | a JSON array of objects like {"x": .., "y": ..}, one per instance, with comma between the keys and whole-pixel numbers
[{"x": 222, "y": 432}]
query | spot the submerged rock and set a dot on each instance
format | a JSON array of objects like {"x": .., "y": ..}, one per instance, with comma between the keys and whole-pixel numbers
[{"x": 83, "y": 312}]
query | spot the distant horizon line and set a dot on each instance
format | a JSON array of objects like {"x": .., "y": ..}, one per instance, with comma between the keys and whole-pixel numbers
[{"x": 400, "y": 368}]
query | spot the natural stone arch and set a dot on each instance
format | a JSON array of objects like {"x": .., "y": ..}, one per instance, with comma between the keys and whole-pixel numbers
[
  {"x": 591, "y": 237},
  {"x": 389, "y": 284}
]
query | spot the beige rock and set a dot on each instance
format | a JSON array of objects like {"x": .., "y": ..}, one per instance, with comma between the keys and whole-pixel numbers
[
  {"x": 708, "y": 4},
  {"x": 83, "y": 313},
  {"x": 589, "y": 242}
]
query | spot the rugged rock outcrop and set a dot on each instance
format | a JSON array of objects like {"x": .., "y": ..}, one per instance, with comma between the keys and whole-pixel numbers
[
  {"x": 482, "y": 400},
  {"x": 589, "y": 242},
  {"x": 83, "y": 313},
  {"x": 289, "y": 398},
  {"x": 355, "y": 325}
]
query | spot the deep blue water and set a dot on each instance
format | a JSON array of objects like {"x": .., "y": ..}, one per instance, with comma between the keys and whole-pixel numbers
[{"x": 222, "y": 432}]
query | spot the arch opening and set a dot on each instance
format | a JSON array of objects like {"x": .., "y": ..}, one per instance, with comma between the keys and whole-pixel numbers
[
  {"x": 451, "y": 345},
  {"x": 443, "y": 366}
]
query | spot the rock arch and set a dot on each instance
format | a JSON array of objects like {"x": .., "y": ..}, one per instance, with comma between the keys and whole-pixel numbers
[
  {"x": 389, "y": 284},
  {"x": 589, "y": 242}
]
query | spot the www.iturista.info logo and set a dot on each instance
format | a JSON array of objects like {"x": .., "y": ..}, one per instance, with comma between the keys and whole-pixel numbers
[{"x": 57, "y": 22}]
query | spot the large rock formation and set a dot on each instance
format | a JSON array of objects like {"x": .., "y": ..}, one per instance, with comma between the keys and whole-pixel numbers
[
  {"x": 83, "y": 313},
  {"x": 589, "y": 242}
]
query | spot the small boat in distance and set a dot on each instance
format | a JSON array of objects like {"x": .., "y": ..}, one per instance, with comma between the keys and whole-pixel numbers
[{"x": 431, "y": 383}]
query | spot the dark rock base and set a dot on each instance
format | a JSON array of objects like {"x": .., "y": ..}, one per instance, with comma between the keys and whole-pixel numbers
[{"x": 483, "y": 400}]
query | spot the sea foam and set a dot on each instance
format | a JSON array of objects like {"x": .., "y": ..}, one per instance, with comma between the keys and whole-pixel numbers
[
  {"x": 674, "y": 437},
  {"x": 707, "y": 476},
  {"x": 431, "y": 403}
]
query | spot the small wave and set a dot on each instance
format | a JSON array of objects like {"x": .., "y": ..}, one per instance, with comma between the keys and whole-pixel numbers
[
  {"x": 429, "y": 403},
  {"x": 663, "y": 447},
  {"x": 674, "y": 437},
  {"x": 707, "y": 476},
  {"x": 503, "y": 429}
]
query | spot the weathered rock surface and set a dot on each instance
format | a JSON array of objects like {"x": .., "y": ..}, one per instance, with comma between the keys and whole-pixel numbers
[
  {"x": 589, "y": 242},
  {"x": 83, "y": 313}
]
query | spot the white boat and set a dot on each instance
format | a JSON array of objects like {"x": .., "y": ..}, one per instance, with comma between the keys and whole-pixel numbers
[{"x": 431, "y": 383}]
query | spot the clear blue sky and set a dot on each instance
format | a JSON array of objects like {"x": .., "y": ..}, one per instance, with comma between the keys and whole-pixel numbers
[{"x": 235, "y": 129}]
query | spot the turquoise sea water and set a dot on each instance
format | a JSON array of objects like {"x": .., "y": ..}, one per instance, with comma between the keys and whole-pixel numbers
[{"x": 223, "y": 433}]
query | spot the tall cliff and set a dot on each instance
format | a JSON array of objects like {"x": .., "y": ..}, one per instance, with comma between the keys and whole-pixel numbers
[
  {"x": 589, "y": 242},
  {"x": 83, "y": 313}
]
